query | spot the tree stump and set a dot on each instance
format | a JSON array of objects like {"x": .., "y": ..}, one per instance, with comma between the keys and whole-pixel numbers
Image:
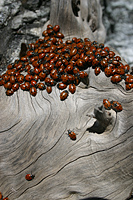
[{"x": 33, "y": 130}]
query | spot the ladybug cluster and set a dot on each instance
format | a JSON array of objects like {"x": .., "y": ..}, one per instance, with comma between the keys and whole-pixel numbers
[
  {"x": 1, "y": 197},
  {"x": 115, "y": 105},
  {"x": 50, "y": 61}
]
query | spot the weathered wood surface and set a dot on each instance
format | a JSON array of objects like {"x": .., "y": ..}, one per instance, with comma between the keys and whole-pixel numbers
[
  {"x": 33, "y": 139},
  {"x": 78, "y": 18}
]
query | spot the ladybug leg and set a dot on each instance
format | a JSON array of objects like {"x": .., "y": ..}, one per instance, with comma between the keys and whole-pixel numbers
[{"x": 91, "y": 116}]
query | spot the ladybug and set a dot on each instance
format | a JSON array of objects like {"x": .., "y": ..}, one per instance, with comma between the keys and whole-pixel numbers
[
  {"x": 107, "y": 104},
  {"x": 41, "y": 55},
  {"x": 116, "y": 106},
  {"x": 103, "y": 53},
  {"x": 81, "y": 74},
  {"x": 56, "y": 28},
  {"x": 72, "y": 88},
  {"x": 49, "y": 89},
  {"x": 80, "y": 63},
  {"x": 42, "y": 76},
  {"x": 95, "y": 62},
  {"x": 126, "y": 68},
  {"x": 9, "y": 92},
  {"x": 72, "y": 135},
  {"x": 108, "y": 71},
  {"x": 29, "y": 177},
  {"x": 15, "y": 86},
  {"x": 63, "y": 95},
  {"x": 116, "y": 78},
  {"x": 129, "y": 86},
  {"x": 36, "y": 70},
  {"x": 61, "y": 86},
  {"x": 129, "y": 78},
  {"x": 60, "y": 35},
  {"x": 97, "y": 71},
  {"x": 20, "y": 78},
  {"x": 12, "y": 79},
  {"x": 52, "y": 82},
  {"x": 73, "y": 52},
  {"x": 75, "y": 57},
  {"x": 27, "y": 86},
  {"x": 120, "y": 71},
  {"x": 64, "y": 78},
  {"x": 33, "y": 83},
  {"x": 54, "y": 74},
  {"x": 111, "y": 54},
  {"x": 8, "y": 85},
  {"x": 41, "y": 86},
  {"x": 22, "y": 86},
  {"x": 33, "y": 91},
  {"x": 1, "y": 196},
  {"x": 6, "y": 198},
  {"x": 69, "y": 68}
]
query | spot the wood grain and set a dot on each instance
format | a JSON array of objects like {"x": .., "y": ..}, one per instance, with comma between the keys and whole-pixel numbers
[{"x": 33, "y": 139}]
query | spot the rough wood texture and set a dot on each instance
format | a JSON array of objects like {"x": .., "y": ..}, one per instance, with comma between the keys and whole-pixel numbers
[
  {"x": 78, "y": 18},
  {"x": 33, "y": 139}
]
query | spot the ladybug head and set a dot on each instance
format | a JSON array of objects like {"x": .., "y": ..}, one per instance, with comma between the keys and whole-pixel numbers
[
  {"x": 69, "y": 132},
  {"x": 33, "y": 176}
]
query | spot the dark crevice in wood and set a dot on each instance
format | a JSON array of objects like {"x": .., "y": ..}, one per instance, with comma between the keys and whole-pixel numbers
[
  {"x": 11, "y": 127},
  {"x": 94, "y": 198},
  {"x": 32, "y": 104},
  {"x": 90, "y": 155},
  {"x": 75, "y": 8}
]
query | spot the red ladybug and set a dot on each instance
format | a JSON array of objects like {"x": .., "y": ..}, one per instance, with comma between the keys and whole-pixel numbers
[
  {"x": 15, "y": 86},
  {"x": 33, "y": 83},
  {"x": 95, "y": 62},
  {"x": 129, "y": 86},
  {"x": 97, "y": 71},
  {"x": 6, "y": 198},
  {"x": 111, "y": 54},
  {"x": 33, "y": 91},
  {"x": 104, "y": 62},
  {"x": 12, "y": 79},
  {"x": 29, "y": 177},
  {"x": 72, "y": 135},
  {"x": 126, "y": 68},
  {"x": 41, "y": 86},
  {"x": 49, "y": 89},
  {"x": 64, "y": 78},
  {"x": 73, "y": 52},
  {"x": 60, "y": 35},
  {"x": 22, "y": 86},
  {"x": 116, "y": 78},
  {"x": 72, "y": 88},
  {"x": 56, "y": 28},
  {"x": 8, "y": 85},
  {"x": 116, "y": 106},
  {"x": 129, "y": 78},
  {"x": 9, "y": 92},
  {"x": 69, "y": 68},
  {"x": 61, "y": 86},
  {"x": 20, "y": 78},
  {"x": 107, "y": 104},
  {"x": 63, "y": 95},
  {"x": 108, "y": 71},
  {"x": 42, "y": 76},
  {"x": 1, "y": 196},
  {"x": 120, "y": 71}
]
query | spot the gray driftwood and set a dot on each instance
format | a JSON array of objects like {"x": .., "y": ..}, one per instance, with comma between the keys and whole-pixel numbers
[{"x": 33, "y": 134}]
